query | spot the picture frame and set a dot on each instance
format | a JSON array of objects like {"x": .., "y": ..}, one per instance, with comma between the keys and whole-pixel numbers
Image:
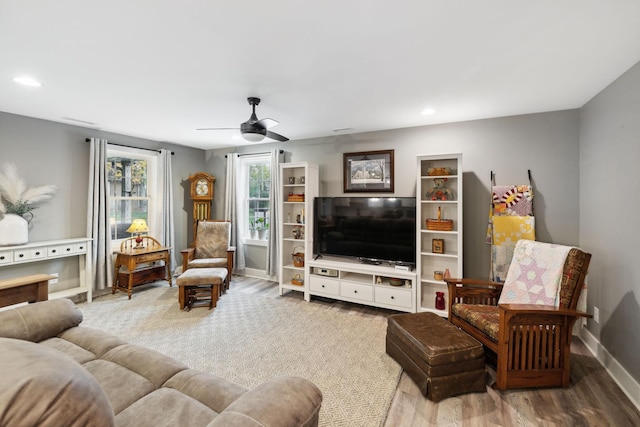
[
  {"x": 437, "y": 246},
  {"x": 368, "y": 172}
]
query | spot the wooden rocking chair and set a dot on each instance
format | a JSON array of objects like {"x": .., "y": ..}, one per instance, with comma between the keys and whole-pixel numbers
[{"x": 529, "y": 343}]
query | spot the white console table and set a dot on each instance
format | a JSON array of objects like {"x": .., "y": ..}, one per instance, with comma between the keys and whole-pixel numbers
[
  {"x": 41, "y": 251},
  {"x": 363, "y": 283}
]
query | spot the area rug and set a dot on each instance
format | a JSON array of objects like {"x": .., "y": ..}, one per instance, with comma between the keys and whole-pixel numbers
[{"x": 250, "y": 338}]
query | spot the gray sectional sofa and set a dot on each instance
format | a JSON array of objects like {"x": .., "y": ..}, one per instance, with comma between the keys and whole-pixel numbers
[{"x": 54, "y": 372}]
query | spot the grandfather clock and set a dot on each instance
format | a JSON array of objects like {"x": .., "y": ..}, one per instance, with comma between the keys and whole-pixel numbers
[{"x": 202, "y": 195}]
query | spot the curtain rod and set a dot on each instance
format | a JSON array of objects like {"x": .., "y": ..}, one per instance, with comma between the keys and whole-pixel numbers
[
  {"x": 129, "y": 146},
  {"x": 254, "y": 154}
]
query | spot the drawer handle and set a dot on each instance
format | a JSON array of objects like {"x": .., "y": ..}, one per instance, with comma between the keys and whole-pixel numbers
[
  {"x": 21, "y": 255},
  {"x": 68, "y": 249},
  {"x": 355, "y": 292},
  {"x": 2, "y": 257},
  {"x": 323, "y": 286},
  {"x": 392, "y": 297},
  {"x": 53, "y": 251},
  {"x": 81, "y": 247},
  {"x": 37, "y": 253}
]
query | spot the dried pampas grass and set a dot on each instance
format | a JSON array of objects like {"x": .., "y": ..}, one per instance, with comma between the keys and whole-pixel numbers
[{"x": 15, "y": 196}]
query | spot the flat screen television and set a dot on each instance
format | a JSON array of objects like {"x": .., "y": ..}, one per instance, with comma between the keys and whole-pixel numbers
[{"x": 371, "y": 229}]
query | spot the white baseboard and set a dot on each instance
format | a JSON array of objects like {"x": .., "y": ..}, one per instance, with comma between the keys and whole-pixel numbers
[
  {"x": 626, "y": 382},
  {"x": 258, "y": 274}
]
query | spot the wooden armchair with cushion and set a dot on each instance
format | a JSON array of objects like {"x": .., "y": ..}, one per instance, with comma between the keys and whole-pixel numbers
[
  {"x": 211, "y": 248},
  {"x": 525, "y": 323}
]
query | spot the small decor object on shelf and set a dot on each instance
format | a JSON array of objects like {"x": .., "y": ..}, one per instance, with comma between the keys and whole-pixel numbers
[
  {"x": 297, "y": 280},
  {"x": 298, "y": 257},
  {"x": 447, "y": 274},
  {"x": 440, "y": 300},
  {"x": 439, "y": 190},
  {"x": 439, "y": 224},
  {"x": 302, "y": 180},
  {"x": 16, "y": 200},
  {"x": 437, "y": 246},
  {"x": 378, "y": 280},
  {"x": 442, "y": 171},
  {"x": 438, "y": 275},
  {"x": 292, "y": 180},
  {"x": 395, "y": 282},
  {"x": 138, "y": 226}
]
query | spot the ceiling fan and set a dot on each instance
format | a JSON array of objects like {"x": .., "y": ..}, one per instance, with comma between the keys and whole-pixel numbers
[{"x": 255, "y": 130}]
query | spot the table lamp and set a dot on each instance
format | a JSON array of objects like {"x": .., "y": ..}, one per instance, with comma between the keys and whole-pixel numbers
[{"x": 138, "y": 226}]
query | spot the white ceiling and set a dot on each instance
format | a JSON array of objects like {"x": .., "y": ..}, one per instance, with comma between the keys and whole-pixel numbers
[{"x": 159, "y": 69}]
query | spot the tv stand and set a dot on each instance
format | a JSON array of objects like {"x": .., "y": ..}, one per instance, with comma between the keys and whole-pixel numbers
[{"x": 364, "y": 283}]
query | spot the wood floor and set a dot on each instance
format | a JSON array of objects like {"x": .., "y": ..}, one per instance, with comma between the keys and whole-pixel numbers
[{"x": 593, "y": 399}]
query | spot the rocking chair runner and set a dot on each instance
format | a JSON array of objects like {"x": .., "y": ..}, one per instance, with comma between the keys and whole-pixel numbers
[{"x": 529, "y": 342}]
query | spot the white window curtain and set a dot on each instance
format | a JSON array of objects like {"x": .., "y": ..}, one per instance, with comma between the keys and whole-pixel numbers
[
  {"x": 231, "y": 213},
  {"x": 167, "y": 233},
  {"x": 98, "y": 215},
  {"x": 273, "y": 244}
]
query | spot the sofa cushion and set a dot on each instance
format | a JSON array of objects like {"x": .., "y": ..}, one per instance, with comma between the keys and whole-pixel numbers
[
  {"x": 39, "y": 321},
  {"x": 84, "y": 344},
  {"x": 483, "y": 317},
  {"x": 44, "y": 387},
  {"x": 165, "y": 407},
  {"x": 197, "y": 384}
]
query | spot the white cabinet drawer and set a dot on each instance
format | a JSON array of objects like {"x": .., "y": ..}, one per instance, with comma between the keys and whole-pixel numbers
[
  {"x": 6, "y": 257},
  {"x": 391, "y": 296},
  {"x": 324, "y": 285},
  {"x": 54, "y": 250},
  {"x": 356, "y": 290},
  {"x": 80, "y": 248},
  {"x": 67, "y": 249},
  {"x": 38, "y": 253},
  {"x": 21, "y": 255}
]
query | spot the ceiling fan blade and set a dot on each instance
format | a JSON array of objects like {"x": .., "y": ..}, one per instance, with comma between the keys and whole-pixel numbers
[
  {"x": 277, "y": 137},
  {"x": 217, "y": 129},
  {"x": 267, "y": 123}
]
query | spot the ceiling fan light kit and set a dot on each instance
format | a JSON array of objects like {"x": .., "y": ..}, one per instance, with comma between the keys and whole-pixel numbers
[{"x": 254, "y": 130}]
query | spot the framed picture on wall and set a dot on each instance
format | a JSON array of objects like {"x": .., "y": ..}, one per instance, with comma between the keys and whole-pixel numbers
[{"x": 368, "y": 172}]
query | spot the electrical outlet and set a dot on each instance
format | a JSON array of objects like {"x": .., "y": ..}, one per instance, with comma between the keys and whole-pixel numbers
[
  {"x": 596, "y": 315},
  {"x": 54, "y": 281}
]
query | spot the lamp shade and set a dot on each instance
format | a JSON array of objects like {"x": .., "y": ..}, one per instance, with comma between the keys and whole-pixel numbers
[{"x": 138, "y": 226}]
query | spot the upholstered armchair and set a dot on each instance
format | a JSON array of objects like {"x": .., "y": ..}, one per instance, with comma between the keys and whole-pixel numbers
[
  {"x": 211, "y": 248},
  {"x": 526, "y": 335}
]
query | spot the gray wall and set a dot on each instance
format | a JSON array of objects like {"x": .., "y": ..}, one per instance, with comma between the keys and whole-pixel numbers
[
  {"x": 545, "y": 143},
  {"x": 53, "y": 153},
  {"x": 609, "y": 183}
]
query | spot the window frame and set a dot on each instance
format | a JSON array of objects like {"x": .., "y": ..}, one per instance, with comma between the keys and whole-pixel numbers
[
  {"x": 152, "y": 186},
  {"x": 246, "y": 163}
]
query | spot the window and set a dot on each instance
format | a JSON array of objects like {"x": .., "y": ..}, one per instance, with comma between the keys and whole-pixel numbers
[
  {"x": 258, "y": 180},
  {"x": 131, "y": 179}
]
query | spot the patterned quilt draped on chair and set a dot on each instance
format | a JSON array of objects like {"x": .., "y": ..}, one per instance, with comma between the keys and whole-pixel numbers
[{"x": 537, "y": 276}]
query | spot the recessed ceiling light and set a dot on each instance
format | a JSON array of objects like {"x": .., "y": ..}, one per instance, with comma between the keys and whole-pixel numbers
[
  {"x": 428, "y": 111},
  {"x": 27, "y": 81}
]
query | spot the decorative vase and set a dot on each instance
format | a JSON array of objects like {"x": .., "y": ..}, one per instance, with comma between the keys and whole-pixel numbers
[
  {"x": 14, "y": 230},
  {"x": 440, "y": 300},
  {"x": 447, "y": 274}
]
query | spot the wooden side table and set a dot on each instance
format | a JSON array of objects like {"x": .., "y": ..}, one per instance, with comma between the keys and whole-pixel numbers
[
  {"x": 131, "y": 258},
  {"x": 24, "y": 289}
]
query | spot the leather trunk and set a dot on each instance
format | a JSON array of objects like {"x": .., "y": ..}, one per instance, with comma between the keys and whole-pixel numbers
[{"x": 442, "y": 360}]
